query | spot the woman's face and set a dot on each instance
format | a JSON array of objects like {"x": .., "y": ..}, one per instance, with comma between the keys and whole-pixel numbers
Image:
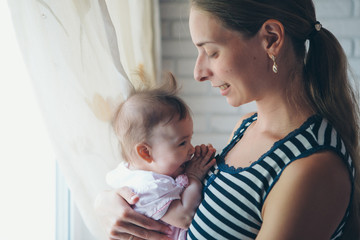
[{"x": 233, "y": 64}]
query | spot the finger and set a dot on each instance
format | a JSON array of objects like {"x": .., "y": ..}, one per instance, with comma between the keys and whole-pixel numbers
[
  {"x": 211, "y": 163},
  {"x": 132, "y": 222},
  {"x": 136, "y": 238},
  {"x": 197, "y": 152},
  {"x": 213, "y": 150},
  {"x": 127, "y": 194},
  {"x": 137, "y": 233},
  {"x": 123, "y": 236},
  {"x": 209, "y": 157},
  {"x": 204, "y": 149},
  {"x": 210, "y": 147},
  {"x": 141, "y": 226}
]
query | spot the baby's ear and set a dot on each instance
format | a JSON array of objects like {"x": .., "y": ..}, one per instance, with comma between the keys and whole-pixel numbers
[{"x": 143, "y": 151}]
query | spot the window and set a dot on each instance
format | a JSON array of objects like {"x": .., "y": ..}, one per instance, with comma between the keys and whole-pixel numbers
[
  {"x": 27, "y": 172},
  {"x": 69, "y": 224}
]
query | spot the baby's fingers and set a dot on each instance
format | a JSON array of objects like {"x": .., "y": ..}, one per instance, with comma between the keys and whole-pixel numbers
[
  {"x": 210, "y": 163},
  {"x": 204, "y": 150},
  {"x": 200, "y": 151},
  {"x": 210, "y": 153},
  {"x": 197, "y": 152}
]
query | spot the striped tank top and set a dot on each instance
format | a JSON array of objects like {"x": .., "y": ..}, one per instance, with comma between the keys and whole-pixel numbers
[{"x": 233, "y": 198}]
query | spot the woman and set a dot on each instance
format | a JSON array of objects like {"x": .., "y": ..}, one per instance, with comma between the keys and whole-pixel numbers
[{"x": 289, "y": 170}]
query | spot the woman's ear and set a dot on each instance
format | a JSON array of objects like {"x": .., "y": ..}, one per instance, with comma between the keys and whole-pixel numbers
[
  {"x": 144, "y": 152},
  {"x": 273, "y": 33}
]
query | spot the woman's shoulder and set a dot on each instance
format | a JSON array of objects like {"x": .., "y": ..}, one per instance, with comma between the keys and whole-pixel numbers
[
  {"x": 241, "y": 120},
  {"x": 324, "y": 173},
  {"x": 245, "y": 117},
  {"x": 315, "y": 190},
  {"x": 326, "y": 165}
]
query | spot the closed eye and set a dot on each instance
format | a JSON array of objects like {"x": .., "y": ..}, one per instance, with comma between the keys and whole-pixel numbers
[{"x": 213, "y": 55}]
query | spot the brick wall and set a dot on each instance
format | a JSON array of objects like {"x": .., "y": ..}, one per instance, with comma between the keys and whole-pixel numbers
[{"x": 214, "y": 119}]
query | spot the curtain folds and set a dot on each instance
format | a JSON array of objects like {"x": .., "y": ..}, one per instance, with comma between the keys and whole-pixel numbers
[{"x": 81, "y": 56}]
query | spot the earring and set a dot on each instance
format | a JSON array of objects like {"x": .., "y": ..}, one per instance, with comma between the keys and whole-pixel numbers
[{"x": 275, "y": 66}]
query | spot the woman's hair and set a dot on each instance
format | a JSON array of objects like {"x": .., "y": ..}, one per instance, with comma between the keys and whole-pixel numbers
[
  {"x": 325, "y": 67},
  {"x": 143, "y": 110}
]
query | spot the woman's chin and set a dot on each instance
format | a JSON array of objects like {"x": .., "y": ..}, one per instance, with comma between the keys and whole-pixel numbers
[{"x": 233, "y": 103}]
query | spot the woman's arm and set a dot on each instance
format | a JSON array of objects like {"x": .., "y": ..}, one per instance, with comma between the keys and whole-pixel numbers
[
  {"x": 308, "y": 201},
  {"x": 181, "y": 212}
]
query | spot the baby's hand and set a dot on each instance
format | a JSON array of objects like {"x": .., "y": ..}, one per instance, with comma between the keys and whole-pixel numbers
[{"x": 200, "y": 163}]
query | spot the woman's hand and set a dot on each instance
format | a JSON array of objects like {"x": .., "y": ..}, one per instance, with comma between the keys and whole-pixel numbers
[
  {"x": 201, "y": 162},
  {"x": 121, "y": 222}
]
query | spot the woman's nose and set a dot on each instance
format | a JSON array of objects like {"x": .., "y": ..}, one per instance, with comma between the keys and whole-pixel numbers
[{"x": 201, "y": 71}]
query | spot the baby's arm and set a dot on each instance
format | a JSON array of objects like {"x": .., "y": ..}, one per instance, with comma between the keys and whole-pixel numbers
[{"x": 181, "y": 212}]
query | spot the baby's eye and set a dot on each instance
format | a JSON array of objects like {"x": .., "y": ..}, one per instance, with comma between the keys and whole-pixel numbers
[{"x": 182, "y": 143}]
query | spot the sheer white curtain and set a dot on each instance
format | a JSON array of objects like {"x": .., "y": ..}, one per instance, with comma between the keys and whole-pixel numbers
[{"x": 81, "y": 55}]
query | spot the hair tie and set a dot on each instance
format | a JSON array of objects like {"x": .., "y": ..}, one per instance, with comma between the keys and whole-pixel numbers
[{"x": 317, "y": 28}]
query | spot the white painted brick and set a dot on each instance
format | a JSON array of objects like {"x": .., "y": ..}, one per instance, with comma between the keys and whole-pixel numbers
[
  {"x": 357, "y": 48},
  {"x": 168, "y": 65},
  {"x": 357, "y": 8},
  {"x": 212, "y": 104},
  {"x": 343, "y": 28},
  {"x": 177, "y": 48},
  {"x": 180, "y": 29},
  {"x": 355, "y": 66},
  {"x": 165, "y": 29},
  {"x": 218, "y": 140},
  {"x": 200, "y": 123},
  {"x": 247, "y": 108},
  {"x": 190, "y": 87},
  {"x": 223, "y": 123},
  {"x": 174, "y": 10},
  {"x": 355, "y": 83},
  {"x": 333, "y": 8},
  {"x": 185, "y": 67},
  {"x": 215, "y": 91},
  {"x": 347, "y": 45}
]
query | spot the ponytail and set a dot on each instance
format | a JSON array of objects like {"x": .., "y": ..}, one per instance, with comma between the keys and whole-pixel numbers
[{"x": 332, "y": 96}]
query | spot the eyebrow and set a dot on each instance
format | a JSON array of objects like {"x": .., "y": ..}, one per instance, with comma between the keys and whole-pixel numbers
[
  {"x": 200, "y": 44},
  {"x": 184, "y": 137}
]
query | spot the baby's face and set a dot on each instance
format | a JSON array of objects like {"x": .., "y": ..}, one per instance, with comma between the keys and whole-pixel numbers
[{"x": 171, "y": 147}]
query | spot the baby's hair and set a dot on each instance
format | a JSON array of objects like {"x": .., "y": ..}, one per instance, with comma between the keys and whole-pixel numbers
[{"x": 143, "y": 110}]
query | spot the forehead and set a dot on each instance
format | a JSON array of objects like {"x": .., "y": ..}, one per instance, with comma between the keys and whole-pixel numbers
[
  {"x": 205, "y": 28},
  {"x": 174, "y": 130}
]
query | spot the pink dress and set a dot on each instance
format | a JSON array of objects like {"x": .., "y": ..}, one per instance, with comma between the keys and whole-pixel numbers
[{"x": 156, "y": 192}]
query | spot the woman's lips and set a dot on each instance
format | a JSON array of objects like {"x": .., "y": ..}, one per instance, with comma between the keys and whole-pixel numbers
[{"x": 224, "y": 86}]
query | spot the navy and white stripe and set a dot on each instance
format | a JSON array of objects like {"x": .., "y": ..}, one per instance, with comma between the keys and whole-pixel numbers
[{"x": 233, "y": 198}]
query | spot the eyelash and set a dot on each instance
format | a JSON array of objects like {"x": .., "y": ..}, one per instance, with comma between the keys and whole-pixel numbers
[{"x": 213, "y": 55}]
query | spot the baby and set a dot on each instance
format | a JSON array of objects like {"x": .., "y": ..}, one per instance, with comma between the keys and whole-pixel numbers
[{"x": 154, "y": 128}]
